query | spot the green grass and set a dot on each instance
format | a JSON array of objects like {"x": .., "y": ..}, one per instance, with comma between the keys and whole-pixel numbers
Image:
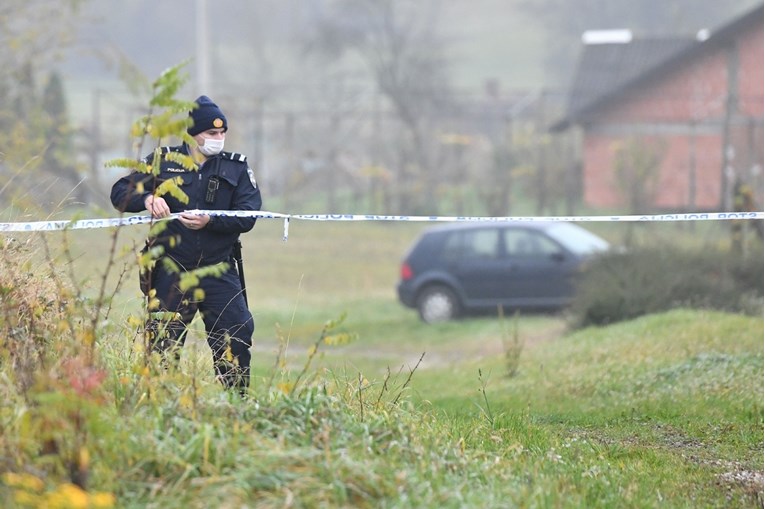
[{"x": 662, "y": 411}]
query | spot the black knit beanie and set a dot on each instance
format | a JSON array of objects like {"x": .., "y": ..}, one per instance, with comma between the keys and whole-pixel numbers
[{"x": 206, "y": 116}]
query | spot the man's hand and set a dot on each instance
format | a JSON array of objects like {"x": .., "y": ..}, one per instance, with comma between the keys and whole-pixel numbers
[
  {"x": 193, "y": 221},
  {"x": 156, "y": 206}
]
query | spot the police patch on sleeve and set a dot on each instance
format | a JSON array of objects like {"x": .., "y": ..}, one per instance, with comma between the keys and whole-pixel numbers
[{"x": 252, "y": 177}]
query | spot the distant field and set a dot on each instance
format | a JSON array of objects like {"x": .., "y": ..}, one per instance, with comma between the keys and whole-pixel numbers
[
  {"x": 330, "y": 269},
  {"x": 663, "y": 411},
  {"x": 330, "y": 262}
]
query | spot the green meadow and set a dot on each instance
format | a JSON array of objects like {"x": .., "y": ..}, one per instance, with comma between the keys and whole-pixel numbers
[{"x": 355, "y": 402}]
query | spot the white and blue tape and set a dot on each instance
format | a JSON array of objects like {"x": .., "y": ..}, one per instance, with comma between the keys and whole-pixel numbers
[{"x": 87, "y": 224}]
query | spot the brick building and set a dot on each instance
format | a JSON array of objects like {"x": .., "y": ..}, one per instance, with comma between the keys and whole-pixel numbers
[{"x": 684, "y": 115}]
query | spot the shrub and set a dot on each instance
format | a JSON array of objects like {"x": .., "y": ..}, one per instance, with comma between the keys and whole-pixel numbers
[
  {"x": 34, "y": 304},
  {"x": 621, "y": 286}
]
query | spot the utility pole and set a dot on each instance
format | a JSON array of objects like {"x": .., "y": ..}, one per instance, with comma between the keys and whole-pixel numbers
[
  {"x": 728, "y": 174},
  {"x": 202, "y": 49}
]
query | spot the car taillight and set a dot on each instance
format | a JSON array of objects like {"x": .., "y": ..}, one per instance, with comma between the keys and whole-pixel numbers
[{"x": 406, "y": 272}]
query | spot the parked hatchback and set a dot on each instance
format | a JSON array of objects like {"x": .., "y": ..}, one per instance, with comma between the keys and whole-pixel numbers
[{"x": 466, "y": 267}]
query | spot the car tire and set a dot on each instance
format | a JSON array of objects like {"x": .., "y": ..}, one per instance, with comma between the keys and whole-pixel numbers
[{"x": 437, "y": 304}]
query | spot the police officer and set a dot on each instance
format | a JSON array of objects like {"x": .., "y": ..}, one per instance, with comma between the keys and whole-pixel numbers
[{"x": 223, "y": 181}]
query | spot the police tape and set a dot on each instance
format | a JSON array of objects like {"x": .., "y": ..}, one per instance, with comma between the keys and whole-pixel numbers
[{"x": 87, "y": 224}]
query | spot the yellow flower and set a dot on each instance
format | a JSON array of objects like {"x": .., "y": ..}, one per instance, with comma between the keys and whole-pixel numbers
[
  {"x": 26, "y": 499},
  {"x": 68, "y": 496},
  {"x": 285, "y": 387},
  {"x": 102, "y": 500},
  {"x": 25, "y": 481}
]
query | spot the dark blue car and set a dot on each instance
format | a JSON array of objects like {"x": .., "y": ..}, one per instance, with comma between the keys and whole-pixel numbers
[{"x": 465, "y": 267}]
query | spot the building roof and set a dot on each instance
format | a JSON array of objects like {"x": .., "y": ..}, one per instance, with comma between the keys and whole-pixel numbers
[{"x": 607, "y": 71}]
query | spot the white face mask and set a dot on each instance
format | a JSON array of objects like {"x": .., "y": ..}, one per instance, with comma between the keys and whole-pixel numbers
[{"x": 211, "y": 146}]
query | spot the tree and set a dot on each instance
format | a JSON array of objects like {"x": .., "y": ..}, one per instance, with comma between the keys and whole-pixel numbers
[
  {"x": 397, "y": 41},
  {"x": 636, "y": 167},
  {"x": 34, "y": 34},
  {"x": 58, "y": 159}
]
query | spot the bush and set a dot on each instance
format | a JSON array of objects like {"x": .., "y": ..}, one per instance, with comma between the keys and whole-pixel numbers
[
  {"x": 34, "y": 304},
  {"x": 621, "y": 286}
]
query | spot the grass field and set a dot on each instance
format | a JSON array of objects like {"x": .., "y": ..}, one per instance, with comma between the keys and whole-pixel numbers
[{"x": 663, "y": 411}]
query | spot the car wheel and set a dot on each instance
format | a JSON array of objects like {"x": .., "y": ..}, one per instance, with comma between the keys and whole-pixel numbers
[{"x": 437, "y": 304}]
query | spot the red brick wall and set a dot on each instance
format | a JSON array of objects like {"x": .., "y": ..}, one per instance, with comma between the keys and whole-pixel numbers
[
  {"x": 673, "y": 190},
  {"x": 692, "y": 93},
  {"x": 599, "y": 183},
  {"x": 751, "y": 82},
  {"x": 695, "y": 90}
]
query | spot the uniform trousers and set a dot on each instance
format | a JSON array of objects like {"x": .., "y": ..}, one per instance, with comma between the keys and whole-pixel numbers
[{"x": 228, "y": 322}]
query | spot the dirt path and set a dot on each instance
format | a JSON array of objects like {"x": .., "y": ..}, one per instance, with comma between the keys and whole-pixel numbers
[{"x": 408, "y": 355}]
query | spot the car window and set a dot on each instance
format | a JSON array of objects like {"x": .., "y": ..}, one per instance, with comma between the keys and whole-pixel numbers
[
  {"x": 525, "y": 243},
  {"x": 577, "y": 239},
  {"x": 483, "y": 244},
  {"x": 453, "y": 247}
]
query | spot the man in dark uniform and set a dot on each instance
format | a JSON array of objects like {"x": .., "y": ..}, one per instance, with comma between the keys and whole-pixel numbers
[{"x": 222, "y": 181}]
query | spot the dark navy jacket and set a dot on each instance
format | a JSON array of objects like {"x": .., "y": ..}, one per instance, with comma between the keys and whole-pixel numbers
[{"x": 237, "y": 190}]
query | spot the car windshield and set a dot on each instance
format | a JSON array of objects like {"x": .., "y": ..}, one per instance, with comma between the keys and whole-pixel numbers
[{"x": 577, "y": 239}]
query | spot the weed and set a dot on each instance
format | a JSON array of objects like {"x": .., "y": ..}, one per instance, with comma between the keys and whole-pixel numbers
[
  {"x": 511, "y": 343},
  {"x": 487, "y": 409}
]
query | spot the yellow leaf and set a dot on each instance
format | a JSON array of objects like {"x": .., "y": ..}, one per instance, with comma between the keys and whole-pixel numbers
[
  {"x": 102, "y": 500},
  {"x": 25, "y": 499},
  {"x": 185, "y": 401},
  {"x": 136, "y": 130},
  {"x": 70, "y": 496},
  {"x": 87, "y": 337},
  {"x": 339, "y": 339},
  {"x": 26, "y": 481},
  {"x": 285, "y": 387},
  {"x": 84, "y": 458}
]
